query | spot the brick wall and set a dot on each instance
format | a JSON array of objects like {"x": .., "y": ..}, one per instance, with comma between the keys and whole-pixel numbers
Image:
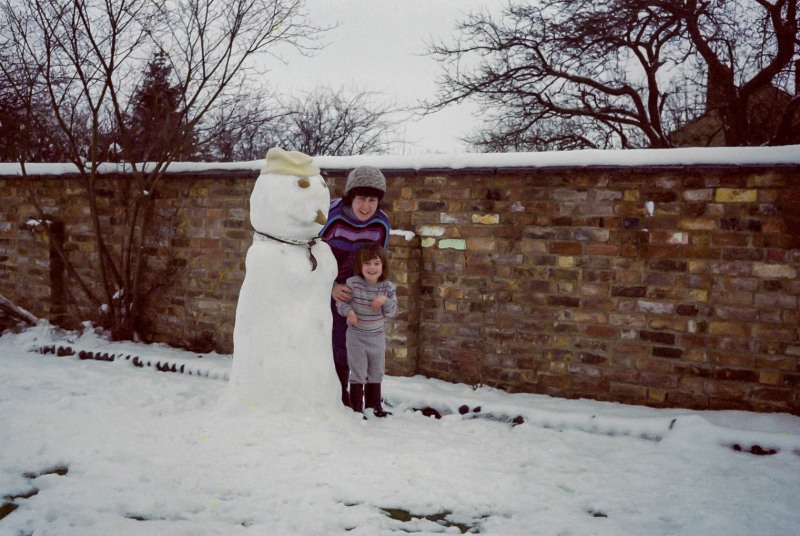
[{"x": 665, "y": 286}]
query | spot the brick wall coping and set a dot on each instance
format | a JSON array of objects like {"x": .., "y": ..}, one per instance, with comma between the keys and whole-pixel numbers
[{"x": 751, "y": 157}]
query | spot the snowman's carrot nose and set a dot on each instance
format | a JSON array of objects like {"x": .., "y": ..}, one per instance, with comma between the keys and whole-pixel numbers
[{"x": 321, "y": 217}]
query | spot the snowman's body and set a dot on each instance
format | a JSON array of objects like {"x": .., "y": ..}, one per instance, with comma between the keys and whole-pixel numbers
[{"x": 282, "y": 357}]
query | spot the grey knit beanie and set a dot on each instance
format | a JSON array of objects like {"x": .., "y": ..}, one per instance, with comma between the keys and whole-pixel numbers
[{"x": 366, "y": 177}]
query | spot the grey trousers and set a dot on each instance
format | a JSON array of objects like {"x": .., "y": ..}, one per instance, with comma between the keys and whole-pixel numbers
[{"x": 366, "y": 356}]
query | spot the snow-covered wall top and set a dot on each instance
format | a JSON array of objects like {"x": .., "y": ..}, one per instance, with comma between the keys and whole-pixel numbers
[{"x": 713, "y": 156}]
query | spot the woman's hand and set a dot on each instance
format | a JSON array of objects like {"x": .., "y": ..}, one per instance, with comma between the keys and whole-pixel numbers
[{"x": 341, "y": 293}]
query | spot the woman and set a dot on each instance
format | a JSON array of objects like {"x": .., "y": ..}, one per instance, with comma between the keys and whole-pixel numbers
[{"x": 353, "y": 221}]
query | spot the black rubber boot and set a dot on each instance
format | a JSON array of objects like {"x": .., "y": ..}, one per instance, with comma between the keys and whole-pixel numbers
[
  {"x": 343, "y": 372},
  {"x": 357, "y": 397},
  {"x": 373, "y": 399}
]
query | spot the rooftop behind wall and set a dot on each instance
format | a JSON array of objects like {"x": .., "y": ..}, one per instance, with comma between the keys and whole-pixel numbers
[{"x": 665, "y": 278}]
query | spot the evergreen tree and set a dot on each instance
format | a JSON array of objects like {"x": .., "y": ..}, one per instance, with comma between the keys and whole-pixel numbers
[{"x": 156, "y": 120}]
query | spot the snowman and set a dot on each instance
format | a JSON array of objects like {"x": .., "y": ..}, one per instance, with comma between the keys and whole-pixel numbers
[{"x": 282, "y": 355}]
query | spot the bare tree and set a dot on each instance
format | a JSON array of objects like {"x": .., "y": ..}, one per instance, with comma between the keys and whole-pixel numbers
[
  {"x": 27, "y": 126},
  {"x": 622, "y": 73},
  {"x": 331, "y": 122},
  {"x": 89, "y": 56},
  {"x": 12, "y": 315},
  {"x": 324, "y": 122},
  {"x": 241, "y": 127}
]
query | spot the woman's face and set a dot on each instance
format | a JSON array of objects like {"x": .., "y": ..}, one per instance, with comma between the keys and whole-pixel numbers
[{"x": 365, "y": 206}]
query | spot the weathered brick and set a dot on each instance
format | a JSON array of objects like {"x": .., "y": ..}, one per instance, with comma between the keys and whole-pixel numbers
[
  {"x": 564, "y": 301},
  {"x": 663, "y": 323},
  {"x": 734, "y": 298},
  {"x": 592, "y": 235},
  {"x": 731, "y": 239},
  {"x": 668, "y": 237},
  {"x": 770, "y": 377},
  {"x": 431, "y": 206},
  {"x": 776, "y": 241},
  {"x": 592, "y": 289},
  {"x": 566, "y": 248},
  {"x": 625, "y": 391},
  {"x": 565, "y": 262},
  {"x": 570, "y": 195},
  {"x": 728, "y": 328},
  {"x": 772, "y": 332},
  {"x": 592, "y": 359},
  {"x": 737, "y": 375},
  {"x": 668, "y": 265},
  {"x": 774, "y": 270},
  {"x": 482, "y": 244},
  {"x": 735, "y": 195},
  {"x": 687, "y": 399},
  {"x": 629, "y": 292},
  {"x": 687, "y": 310},
  {"x": 660, "y": 337},
  {"x": 654, "y": 379},
  {"x": 748, "y": 284},
  {"x": 671, "y": 353},
  {"x": 660, "y": 308},
  {"x": 743, "y": 254},
  {"x": 774, "y": 226},
  {"x": 627, "y": 320},
  {"x": 454, "y": 219},
  {"x": 705, "y": 194},
  {"x": 773, "y": 285},
  {"x": 558, "y": 381},
  {"x": 431, "y": 230},
  {"x": 777, "y": 301},
  {"x": 772, "y": 394},
  {"x": 486, "y": 219},
  {"x": 698, "y": 295},
  {"x": 532, "y": 246},
  {"x": 737, "y": 224},
  {"x": 727, "y": 389},
  {"x": 600, "y": 249},
  {"x": 698, "y": 224},
  {"x": 602, "y": 332}
]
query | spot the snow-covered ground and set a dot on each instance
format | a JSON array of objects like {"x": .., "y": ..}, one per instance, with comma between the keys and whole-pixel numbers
[{"x": 92, "y": 447}]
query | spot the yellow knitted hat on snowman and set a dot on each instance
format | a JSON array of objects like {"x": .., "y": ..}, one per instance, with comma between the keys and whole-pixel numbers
[{"x": 283, "y": 162}]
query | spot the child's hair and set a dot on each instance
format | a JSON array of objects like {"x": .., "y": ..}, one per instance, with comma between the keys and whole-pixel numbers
[{"x": 366, "y": 254}]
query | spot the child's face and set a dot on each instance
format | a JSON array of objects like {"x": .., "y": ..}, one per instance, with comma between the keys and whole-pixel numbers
[{"x": 372, "y": 270}]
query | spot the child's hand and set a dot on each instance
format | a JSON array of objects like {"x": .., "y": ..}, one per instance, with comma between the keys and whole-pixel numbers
[
  {"x": 352, "y": 319},
  {"x": 378, "y": 302}
]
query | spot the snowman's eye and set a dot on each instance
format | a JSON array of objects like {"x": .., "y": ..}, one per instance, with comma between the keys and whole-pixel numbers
[{"x": 303, "y": 183}]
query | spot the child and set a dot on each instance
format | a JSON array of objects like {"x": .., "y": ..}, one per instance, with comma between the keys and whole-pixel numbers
[{"x": 374, "y": 300}]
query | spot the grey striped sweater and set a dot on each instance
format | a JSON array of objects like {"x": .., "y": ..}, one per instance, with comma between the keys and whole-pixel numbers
[{"x": 369, "y": 320}]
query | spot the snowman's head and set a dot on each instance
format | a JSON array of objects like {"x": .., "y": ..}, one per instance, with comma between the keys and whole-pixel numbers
[{"x": 290, "y": 198}]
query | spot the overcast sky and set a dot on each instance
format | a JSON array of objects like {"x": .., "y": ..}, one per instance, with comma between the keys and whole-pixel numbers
[{"x": 379, "y": 46}]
